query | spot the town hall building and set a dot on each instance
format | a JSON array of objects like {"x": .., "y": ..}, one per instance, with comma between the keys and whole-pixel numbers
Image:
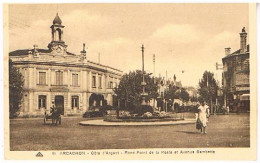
[{"x": 56, "y": 76}]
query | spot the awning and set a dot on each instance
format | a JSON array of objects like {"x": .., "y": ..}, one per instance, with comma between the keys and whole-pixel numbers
[{"x": 245, "y": 97}]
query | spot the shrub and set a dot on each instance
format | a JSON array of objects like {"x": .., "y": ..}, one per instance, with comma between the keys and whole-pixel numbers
[
  {"x": 92, "y": 113},
  {"x": 161, "y": 114},
  {"x": 105, "y": 108},
  {"x": 125, "y": 114},
  {"x": 143, "y": 109},
  {"x": 147, "y": 114}
]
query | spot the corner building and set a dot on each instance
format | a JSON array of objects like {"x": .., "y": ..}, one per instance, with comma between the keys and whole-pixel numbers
[
  {"x": 56, "y": 76},
  {"x": 236, "y": 76}
]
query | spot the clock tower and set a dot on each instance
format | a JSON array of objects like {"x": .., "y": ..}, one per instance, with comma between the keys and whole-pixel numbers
[{"x": 57, "y": 45}]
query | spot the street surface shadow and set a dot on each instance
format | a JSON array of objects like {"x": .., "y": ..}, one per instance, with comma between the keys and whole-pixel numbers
[
  {"x": 49, "y": 124},
  {"x": 190, "y": 132}
]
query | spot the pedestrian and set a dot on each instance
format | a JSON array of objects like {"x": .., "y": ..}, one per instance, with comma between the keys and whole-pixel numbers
[
  {"x": 207, "y": 111},
  {"x": 203, "y": 111},
  {"x": 227, "y": 109},
  {"x": 198, "y": 122},
  {"x": 215, "y": 109}
]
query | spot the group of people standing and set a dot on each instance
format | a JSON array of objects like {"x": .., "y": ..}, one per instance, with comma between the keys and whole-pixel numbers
[{"x": 202, "y": 116}]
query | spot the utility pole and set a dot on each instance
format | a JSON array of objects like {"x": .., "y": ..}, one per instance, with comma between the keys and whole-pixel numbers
[
  {"x": 154, "y": 77},
  {"x": 143, "y": 65},
  {"x": 143, "y": 94},
  {"x": 154, "y": 65},
  {"x": 166, "y": 78},
  {"x": 221, "y": 67},
  {"x": 99, "y": 58}
]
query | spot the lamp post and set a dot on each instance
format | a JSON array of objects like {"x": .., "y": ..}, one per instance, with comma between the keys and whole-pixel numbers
[{"x": 143, "y": 83}]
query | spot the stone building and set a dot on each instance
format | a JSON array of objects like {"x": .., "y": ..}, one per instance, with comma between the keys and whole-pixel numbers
[
  {"x": 236, "y": 76},
  {"x": 164, "y": 86},
  {"x": 56, "y": 76}
]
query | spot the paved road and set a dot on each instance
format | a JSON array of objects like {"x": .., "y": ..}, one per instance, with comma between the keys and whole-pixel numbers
[{"x": 223, "y": 131}]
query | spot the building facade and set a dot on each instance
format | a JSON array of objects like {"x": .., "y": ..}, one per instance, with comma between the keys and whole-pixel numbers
[
  {"x": 163, "y": 86},
  {"x": 56, "y": 76},
  {"x": 236, "y": 76}
]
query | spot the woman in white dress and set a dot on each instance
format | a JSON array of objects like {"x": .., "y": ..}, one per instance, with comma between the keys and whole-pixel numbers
[{"x": 203, "y": 117}]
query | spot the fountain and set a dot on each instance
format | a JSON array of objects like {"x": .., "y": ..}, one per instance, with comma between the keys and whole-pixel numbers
[{"x": 147, "y": 117}]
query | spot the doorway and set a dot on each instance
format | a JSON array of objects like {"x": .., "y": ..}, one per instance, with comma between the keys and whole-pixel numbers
[{"x": 59, "y": 103}]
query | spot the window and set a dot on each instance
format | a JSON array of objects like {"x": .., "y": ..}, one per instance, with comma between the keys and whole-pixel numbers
[
  {"x": 75, "y": 102},
  {"x": 94, "y": 81},
  {"x": 75, "y": 80},
  {"x": 42, "y": 78},
  {"x": 110, "y": 84},
  {"x": 41, "y": 101},
  {"x": 99, "y": 82},
  {"x": 59, "y": 78},
  {"x": 246, "y": 64}
]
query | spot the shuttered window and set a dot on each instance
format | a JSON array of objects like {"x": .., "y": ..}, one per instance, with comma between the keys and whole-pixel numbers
[
  {"x": 41, "y": 101},
  {"x": 75, "y": 102},
  {"x": 75, "y": 80},
  {"x": 99, "y": 82},
  {"x": 94, "y": 81},
  {"x": 59, "y": 78},
  {"x": 42, "y": 78}
]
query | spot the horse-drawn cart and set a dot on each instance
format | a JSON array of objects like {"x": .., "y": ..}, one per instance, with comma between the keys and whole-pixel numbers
[{"x": 55, "y": 116}]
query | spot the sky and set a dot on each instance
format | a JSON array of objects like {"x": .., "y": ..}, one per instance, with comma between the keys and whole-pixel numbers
[{"x": 189, "y": 37}]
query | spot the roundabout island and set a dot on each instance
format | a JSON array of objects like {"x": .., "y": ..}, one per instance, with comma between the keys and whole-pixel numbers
[
  {"x": 154, "y": 119},
  {"x": 101, "y": 122}
]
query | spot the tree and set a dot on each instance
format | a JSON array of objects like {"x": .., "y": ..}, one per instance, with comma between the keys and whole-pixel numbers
[
  {"x": 171, "y": 93},
  {"x": 184, "y": 95},
  {"x": 208, "y": 87},
  {"x": 194, "y": 99},
  {"x": 129, "y": 89},
  {"x": 16, "y": 82},
  {"x": 175, "y": 93}
]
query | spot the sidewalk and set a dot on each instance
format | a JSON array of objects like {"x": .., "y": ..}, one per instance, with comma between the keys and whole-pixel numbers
[{"x": 63, "y": 117}]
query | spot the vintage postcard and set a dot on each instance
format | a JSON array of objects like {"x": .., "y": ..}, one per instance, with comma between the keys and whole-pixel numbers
[{"x": 145, "y": 81}]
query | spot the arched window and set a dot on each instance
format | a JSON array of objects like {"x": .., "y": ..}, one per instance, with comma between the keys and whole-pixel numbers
[{"x": 58, "y": 34}]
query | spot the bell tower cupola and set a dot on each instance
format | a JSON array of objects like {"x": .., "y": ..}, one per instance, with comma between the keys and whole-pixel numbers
[{"x": 57, "y": 44}]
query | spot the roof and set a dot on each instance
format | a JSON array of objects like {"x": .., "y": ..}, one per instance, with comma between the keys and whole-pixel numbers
[
  {"x": 178, "y": 84},
  {"x": 26, "y": 51},
  {"x": 57, "y": 20},
  {"x": 237, "y": 52}
]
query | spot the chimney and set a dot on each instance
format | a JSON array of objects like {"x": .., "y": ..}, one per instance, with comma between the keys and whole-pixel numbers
[
  {"x": 35, "y": 51},
  {"x": 243, "y": 36},
  {"x": 83, "y": 53},
  {"x": 227, "y": 51},
  {"x": 84, "y": 49}
]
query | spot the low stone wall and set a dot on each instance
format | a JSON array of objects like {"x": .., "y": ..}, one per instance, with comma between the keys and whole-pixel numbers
[{"x": 140, "y": 119}]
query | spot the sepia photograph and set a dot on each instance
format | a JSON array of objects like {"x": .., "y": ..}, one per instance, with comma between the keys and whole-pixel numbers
[{"x": 130, "y": 79}]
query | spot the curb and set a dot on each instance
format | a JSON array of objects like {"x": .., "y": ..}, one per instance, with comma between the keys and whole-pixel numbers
[{"x": 113, "y": 124}]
